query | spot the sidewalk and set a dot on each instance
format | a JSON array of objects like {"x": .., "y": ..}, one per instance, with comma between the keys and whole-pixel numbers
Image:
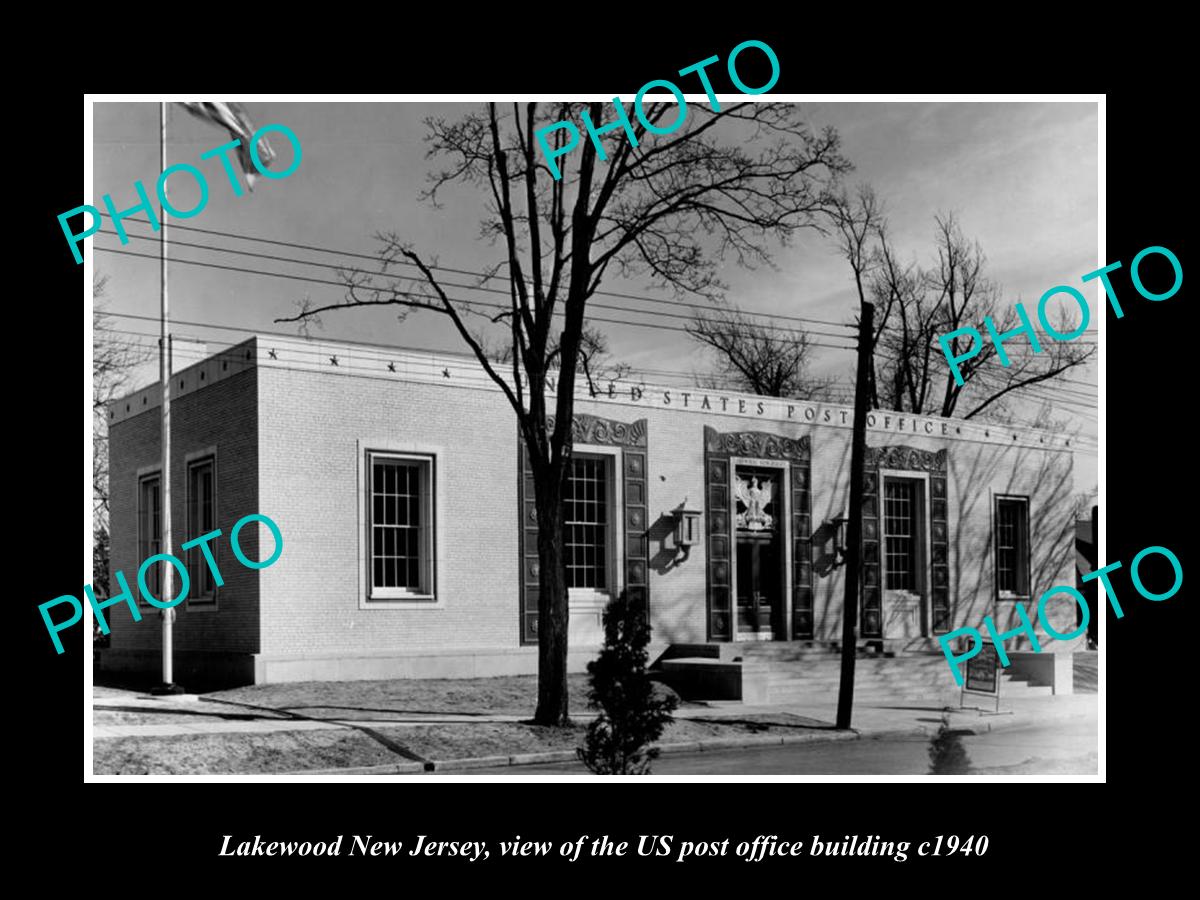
[{"x": 192, "y": 715}]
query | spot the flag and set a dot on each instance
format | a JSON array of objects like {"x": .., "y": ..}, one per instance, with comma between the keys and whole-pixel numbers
[{"x": 233, "y": 118}]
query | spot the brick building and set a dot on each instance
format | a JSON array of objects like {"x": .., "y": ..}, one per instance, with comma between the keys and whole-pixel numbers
[{"x": 396, "y": 479}]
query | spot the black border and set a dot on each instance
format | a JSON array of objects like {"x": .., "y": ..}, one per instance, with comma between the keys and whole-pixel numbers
[{"x": 1063, "y": 827}]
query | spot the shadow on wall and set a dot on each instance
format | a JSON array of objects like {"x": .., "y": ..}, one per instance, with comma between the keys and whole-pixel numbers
[
  {"x": 828, "y": 584},
  {"x": 667, "y": 557},
  {"x": 1051, "y": 525},
  {"x": 824, "y": 556},
  {"x": 661, "y": 534}
]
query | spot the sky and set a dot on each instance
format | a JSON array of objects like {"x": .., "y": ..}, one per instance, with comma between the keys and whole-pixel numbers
[{"x": 1021, "y": 177}]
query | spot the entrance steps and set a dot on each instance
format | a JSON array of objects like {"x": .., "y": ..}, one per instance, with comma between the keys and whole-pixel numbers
[{"x": 809, "y": 672}]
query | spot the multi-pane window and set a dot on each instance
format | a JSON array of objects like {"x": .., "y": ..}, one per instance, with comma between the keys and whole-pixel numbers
[
  {"x": 201, "y": 519},
  {"x": 586, "y": 523},
  {"x": 1012, "y": 545},
  {"x": 901, "y": 523},
  {"x": 401, "y": 525},
  {"x": 150, "y": 528}
]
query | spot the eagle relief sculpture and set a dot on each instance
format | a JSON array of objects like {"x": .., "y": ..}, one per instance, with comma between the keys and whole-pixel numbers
[{"x": 755, "y": 497}]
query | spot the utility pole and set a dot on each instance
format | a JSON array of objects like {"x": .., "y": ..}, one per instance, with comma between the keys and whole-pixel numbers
[
  {"x": 167, "y": 591},
  {"x": 858, "y": 452}
]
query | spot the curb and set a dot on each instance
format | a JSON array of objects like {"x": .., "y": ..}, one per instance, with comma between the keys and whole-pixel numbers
[
  {"x": 477, "y": 762},
  {"x": 557, "y": 756},
  {"x": 723, "y": 743},
  {"x": 399, "y": 768},
  {"x": 727, "y": 743}
]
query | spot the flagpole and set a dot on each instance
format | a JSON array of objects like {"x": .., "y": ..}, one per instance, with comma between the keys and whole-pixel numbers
[{"x": 164, "y": 374}]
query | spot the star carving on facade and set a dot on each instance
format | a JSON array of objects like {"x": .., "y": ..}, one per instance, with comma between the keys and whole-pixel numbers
[
  {"x": 271, "y": 353},
  {"x": 445, "y": 373},
  {"x": 391, "y": 367},
  {"x": 333, "y": 361}
]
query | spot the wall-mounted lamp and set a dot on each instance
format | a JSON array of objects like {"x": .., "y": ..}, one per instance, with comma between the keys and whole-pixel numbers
[
  {"x": 687, "y": 530},
  {"x": 838, "y": 528},
  {"x": 687, "y": 525}
]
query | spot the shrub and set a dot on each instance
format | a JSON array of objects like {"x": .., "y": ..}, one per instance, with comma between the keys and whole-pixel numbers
[
  {"x": 947, "y": 755},
  {"x": 633, "y": 713}
]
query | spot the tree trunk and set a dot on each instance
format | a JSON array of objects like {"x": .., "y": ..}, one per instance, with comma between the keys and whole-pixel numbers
[{"x": 552, "y": 598}]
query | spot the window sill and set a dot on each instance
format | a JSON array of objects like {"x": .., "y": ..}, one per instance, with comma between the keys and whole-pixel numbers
[
  {"x": 1009, "y": 595},
  {"x": 398, "y": 594},
  {"x": 402, "y": 601}
]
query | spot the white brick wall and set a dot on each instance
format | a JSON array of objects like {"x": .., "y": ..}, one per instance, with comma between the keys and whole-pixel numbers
[
  {"x": 288, "y": 433},
  {"x": 311, "y": 423}
]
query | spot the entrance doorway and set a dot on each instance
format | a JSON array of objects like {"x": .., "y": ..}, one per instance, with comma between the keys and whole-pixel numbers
[{"x": 758, "y": 525}]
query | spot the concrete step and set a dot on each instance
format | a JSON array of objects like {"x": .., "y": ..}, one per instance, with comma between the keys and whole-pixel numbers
[
  {"x": 897, "y": 678},
  {"x": 864, "y": 677},
  {"x": 779, "y": 672}
]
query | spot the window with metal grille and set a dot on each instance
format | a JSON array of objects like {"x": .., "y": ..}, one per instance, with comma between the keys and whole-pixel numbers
[
  {"x": 201, "y": 519},
  {"x": 150, "y": 530},
  {"x": 585, "y": 525},
  {"x": 900, "y": 530},
  {"x": 401, "y": 525},
  {"x": 1012, "y": 545}
]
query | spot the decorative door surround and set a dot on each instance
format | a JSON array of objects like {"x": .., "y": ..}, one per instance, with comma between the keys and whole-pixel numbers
[{"x": 719, "y": 448}]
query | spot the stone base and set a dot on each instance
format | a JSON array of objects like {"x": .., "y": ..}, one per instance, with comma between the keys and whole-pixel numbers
[
  {"x": 708, "y": 678},
  {"x": 585, "y": 623},
  {"x": 211, "y": 671},
  {"x": 1056, "y": 670},
  {"x": 194, "y": 670}
]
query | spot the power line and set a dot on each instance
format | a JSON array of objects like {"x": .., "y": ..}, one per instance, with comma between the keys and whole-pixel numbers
[
  {"x": 471, "y": 303},
  {"x": 450, "y": 284},
  {"x": 1015, "y": 351},
  {"x": 284, "y": 334},
  {"x": 1044, "y": 387},
  {"x": 1057, "y": 379},
  {"x": 465, "y": 303},
  {"x": 483, "y": 275},
  {"x": 1066, "y": 399}
]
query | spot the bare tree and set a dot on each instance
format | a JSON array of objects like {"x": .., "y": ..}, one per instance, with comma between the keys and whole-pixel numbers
[
  {"x": 954, "y": 293},
  {"x": 859, "y": 229},
  {"x": 113, "y": 361},
  {"x": 756, "y": 358},
  {"x": 669, "y": 207}
]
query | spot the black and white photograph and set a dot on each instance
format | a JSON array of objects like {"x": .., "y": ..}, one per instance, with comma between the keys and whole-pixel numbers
[{"x": 724, "y": 434}]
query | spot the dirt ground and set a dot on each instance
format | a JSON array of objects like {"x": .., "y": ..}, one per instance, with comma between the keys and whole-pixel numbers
[
  {"x": 369, "y": 743},
  {"x": 293, "y": 751},
  {"x": 511, "y": 695}
]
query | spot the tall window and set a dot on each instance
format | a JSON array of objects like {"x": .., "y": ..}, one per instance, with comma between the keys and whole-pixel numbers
[
  {"x": 150, "y": 528},
  {"x": 401, "y": 526},
  {"x": 201, "y": 519},
  {"x": 1012, "y": 545},
  {"x": 901, "y": 530},
  {"x": 586, "y": 523}
]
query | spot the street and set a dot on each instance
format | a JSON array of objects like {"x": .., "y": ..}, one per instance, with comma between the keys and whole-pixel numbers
[{"x": 1065, "y": 747}]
